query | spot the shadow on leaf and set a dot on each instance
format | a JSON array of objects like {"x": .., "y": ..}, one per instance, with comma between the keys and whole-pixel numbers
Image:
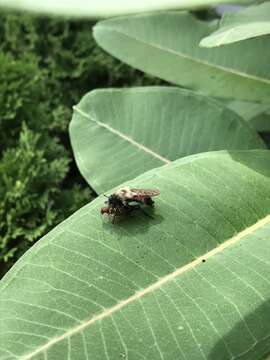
[
  {"x": 255, "y": 160},
  {"x": 248, "y": 339},
  {"x": 139, "y": 221}
]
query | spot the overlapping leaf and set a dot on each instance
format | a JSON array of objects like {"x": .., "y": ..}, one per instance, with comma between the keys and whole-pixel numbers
[
  {"x": 251, "y": 22},
  {"x": 167, "y": 45},
  {"x": 192, "y": 282},
  {"x": 102, "y": 8},
  {"x": 119, "y": 134},
  {"x": 257, "y": 115}
]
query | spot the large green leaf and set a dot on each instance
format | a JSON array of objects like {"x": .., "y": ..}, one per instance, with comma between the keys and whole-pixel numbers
[
  {"x": 101, "y": 8},
  {"x": 190, "y": 283},
  {"x": 167, "y": 45},
  {"x": 119, "y": 134},
  {"x": 251, "y": 22}
]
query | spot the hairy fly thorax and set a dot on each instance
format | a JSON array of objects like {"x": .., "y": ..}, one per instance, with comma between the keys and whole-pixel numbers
[
  {"x": 125, "y": 193},
  {"x": 132, "y": 194}
]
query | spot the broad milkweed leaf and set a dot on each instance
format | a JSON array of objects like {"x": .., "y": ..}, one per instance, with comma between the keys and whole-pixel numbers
[
  {"x": 167, "y": 45},
  {"x": 251, "y": 22},
  {"x": 119, "y": 134},
  {"x": 103, "y": 8},
  {"x": 189, "y": 282}
]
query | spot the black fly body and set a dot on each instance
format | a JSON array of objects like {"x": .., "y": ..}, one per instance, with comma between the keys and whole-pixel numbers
[{"x": 122, "y": 201}]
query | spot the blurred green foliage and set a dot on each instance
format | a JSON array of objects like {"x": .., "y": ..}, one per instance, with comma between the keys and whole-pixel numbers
[{"x": 46, "y": 67}]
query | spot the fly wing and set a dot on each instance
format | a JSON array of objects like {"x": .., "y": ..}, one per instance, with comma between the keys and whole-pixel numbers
[{"x": 145, "y": 192}]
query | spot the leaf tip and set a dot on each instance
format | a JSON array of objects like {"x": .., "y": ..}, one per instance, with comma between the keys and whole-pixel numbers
[{"x": 205, "y": 42}]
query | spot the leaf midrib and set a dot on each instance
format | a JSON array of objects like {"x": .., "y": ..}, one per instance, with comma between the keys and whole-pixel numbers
[
  {"x": 124, "y": 136},
  {"x": 164, "y": 280},
  {"x": 183, "y": 55}
]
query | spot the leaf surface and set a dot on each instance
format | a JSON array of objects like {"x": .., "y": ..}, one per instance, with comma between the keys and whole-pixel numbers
[
  {"x": 119, "y": 134},
  {"x": 167, "y": 45},
  {"x": 251, "y": 22},
  {"x": 192, "y": 282}
]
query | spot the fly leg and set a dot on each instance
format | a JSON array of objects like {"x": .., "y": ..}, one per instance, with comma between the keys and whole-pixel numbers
[
  {"x": 146, "y": 214},
  {"x": 138, "y": 207},
  {"x": 130, "y": 208},
  {"x": 148, "y": 201}
]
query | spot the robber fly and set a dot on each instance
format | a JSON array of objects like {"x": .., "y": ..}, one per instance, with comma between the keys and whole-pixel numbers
[{"x": 125, "y": 200}]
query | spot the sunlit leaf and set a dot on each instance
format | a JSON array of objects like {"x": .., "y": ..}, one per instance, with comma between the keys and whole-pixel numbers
[
  {"x": 251, "y": 22},
  {"x": 103, "y": 8},
  {"x": 167, "y": 45},
  {"x": 190, "y": 282}
]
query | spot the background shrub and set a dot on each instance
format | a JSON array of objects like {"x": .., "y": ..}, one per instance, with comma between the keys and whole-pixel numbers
[{"x": 46, "y": 67}]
